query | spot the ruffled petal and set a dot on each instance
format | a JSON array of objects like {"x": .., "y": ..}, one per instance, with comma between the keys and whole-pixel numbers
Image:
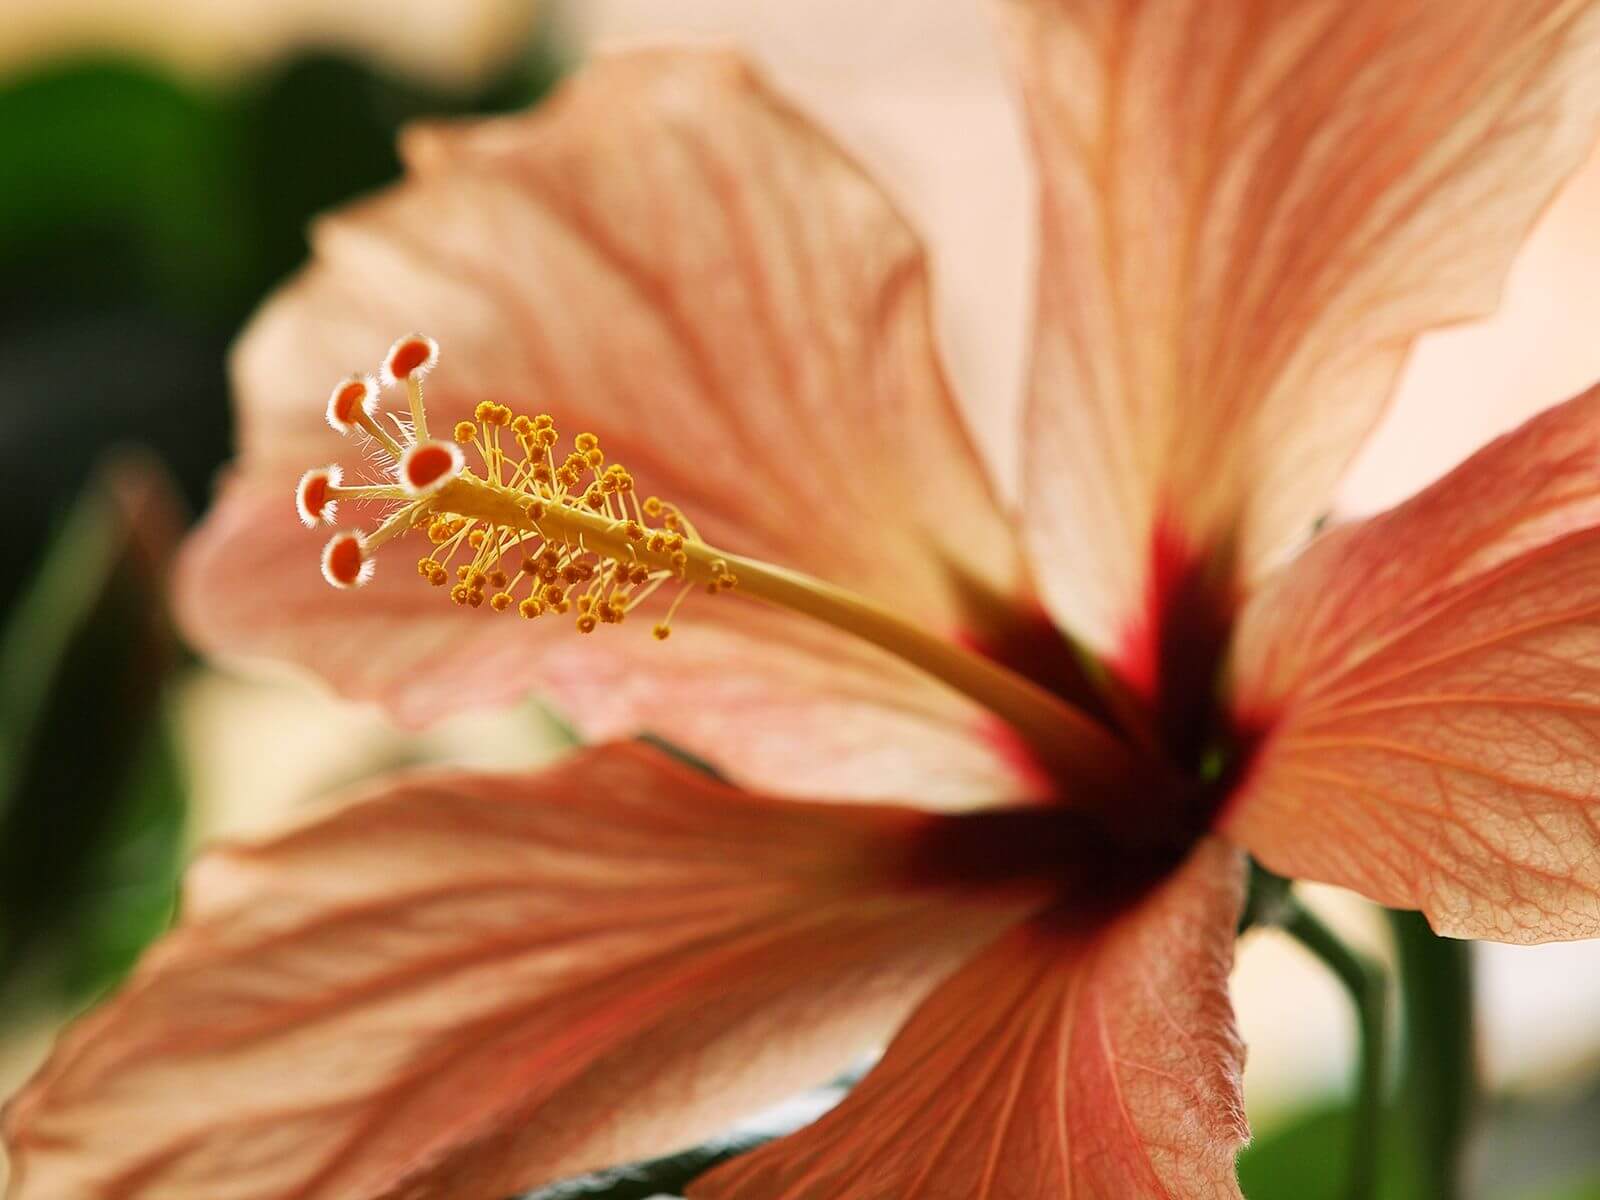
[
  {"x": 1073, "y": 1059},
  {"x": 1249, "y": 212},
  {"x": 668, "y": 256},
  {"x": 467, "y": 985},
  {"x": 1425, "y": 688}
]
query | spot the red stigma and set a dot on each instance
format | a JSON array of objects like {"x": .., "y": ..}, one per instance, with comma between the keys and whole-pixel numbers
[
  {"x": 408, "y": 356},
  {"x": 344, "y": 560},
  {"x": 428, "y": 464},
  {"x": 314, "y": 494},
  {"x": 348, "y": 401}
]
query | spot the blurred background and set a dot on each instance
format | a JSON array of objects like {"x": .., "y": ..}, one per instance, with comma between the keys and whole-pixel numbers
[{"x": 159, "y": 161}]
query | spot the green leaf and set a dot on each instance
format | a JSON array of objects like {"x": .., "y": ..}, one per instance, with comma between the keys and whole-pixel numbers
[
  {"x": 1307, "y": 1158},
  {"x": 120, "y": 182},
  {"x": 91, "y": 809},
  {"x": 1579, "y": 1190}
]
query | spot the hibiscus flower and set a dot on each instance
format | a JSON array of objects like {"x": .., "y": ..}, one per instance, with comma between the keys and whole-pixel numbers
[{"x": 988, "y": 783}]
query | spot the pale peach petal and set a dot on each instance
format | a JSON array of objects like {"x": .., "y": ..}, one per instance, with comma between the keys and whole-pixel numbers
[
  {"x": 668, "y": 256},
  {"x": 469, "y": 984},
  {"x": 1073, "y": 1059},
  {"x": 1426, "y": 686},
  {"x": 1249, "y": 212}
]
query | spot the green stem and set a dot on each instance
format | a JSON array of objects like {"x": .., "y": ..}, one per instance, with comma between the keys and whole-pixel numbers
[
  {"x": 1368, "y": 984},
  {"x": 1439, "y": 1077}
]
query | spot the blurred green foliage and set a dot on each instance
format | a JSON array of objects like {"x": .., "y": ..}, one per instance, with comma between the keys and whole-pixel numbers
[
  {"x": 91, "y": 801},
  {"x": 142, "y": 218}
]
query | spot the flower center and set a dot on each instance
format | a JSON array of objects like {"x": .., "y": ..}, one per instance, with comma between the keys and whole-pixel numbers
[{"x": 551, "y": 534}]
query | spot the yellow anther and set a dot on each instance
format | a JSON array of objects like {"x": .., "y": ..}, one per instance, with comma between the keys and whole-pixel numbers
[
  {"x": 586, "y": 624},
  {"x": 680, "y": 562},
  {"x": 657, "y": 543},
  {"x": 543, "y": 421},
  {"x": 652, "y": 506},
  {"x": 523, "y": 427},
  {"x": 485, "y": 411},
  {"x": 476, "y": 538},
  {"x": 460, "y": 593},
  {"x": 543, "y": 475},
  {"x": 546, "y": 437},
  {"x": 555, "y": 596},
  {"x": 439, "y": 532},
  {"x": 500, "y": 601},
  {"x": 425, "y": 567},
  {"x": 594, "y": 497},
  {"x": 568, "y": 476},
  {"x": 586, "y": 442},
  {"x": 497, "y": 579},
  {"x": 633, "y": 531},
  {"x": 463, "y": 571},
  {"x": 608, "y": 484},
  {"x": 535, "y": 510},
  {"x": 475, "y": 598},
  {"x": 662, "y": 631},
  {"x": 595, "y": 458},
  {"x": 639, "y": 574},
  {"x": 465, "y": 432},
  {"x": 674, "y": 542},
  {"x": 438, "y": 577},
  {"x": 530, "y": 608}
]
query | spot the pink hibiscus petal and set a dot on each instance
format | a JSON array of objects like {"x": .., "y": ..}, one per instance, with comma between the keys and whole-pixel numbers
[
  {"x": 1249, "y": 213},
  {"x": 467, "y": 985},
  {"x": 668, "y": 256},
  {"x": 1427, "y": 688},
  {"x": 1071, "y": 1059}
]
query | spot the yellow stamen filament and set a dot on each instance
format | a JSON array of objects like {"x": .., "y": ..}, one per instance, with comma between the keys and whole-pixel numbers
[
  {"x": 568, "y": 534},
  {"x": 1035, "y": 713},
  {"x": 419, "y": 414},
  {"x": 380, "y": 434}
]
